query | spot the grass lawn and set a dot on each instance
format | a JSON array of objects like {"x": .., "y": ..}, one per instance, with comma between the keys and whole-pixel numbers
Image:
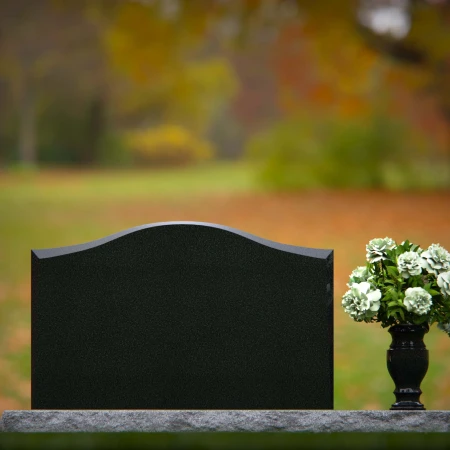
[
  {"x": 56, "y": 208},
  {"x": 222, "y": 441}
]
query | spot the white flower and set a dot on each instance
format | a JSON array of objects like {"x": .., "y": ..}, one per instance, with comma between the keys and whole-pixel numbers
[
  {"x": 376, "y": 249},
  {"x": 361, "y": 302},
  {"x": 417, "y": 300},
  {"x": 435, "y": 259},
  {"x": 444, "y": 327},
  {"x": 443, "y": 281},
  {"x": 359, "y": 274},
  {"x": 408, "y": 264}
]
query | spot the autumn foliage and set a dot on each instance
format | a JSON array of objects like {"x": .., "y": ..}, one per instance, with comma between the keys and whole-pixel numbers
[{"x": 227, "y": 73}]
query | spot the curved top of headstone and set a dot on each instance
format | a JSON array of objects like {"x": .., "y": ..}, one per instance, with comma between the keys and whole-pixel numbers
[{"x": 60, "y": 251}]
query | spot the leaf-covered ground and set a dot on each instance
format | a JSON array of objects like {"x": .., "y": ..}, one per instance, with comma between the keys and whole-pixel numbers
[{"x": 52, "y": 210}]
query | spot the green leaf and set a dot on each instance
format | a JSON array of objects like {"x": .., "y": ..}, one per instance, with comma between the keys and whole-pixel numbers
[
  {"x": 421, "y": 319},
  {"x": 433, "y": 292},
  {"x": 392, "y": 271}
]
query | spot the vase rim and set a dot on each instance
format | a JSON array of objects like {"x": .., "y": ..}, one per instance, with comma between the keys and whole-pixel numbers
[{"x": 398, "y": 326}]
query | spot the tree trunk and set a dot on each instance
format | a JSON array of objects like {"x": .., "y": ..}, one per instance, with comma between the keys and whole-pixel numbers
[
  {"x": 27, "y": 127},
  {"x": 95, "y": 129},
  {"x": 3, "y": 144}
]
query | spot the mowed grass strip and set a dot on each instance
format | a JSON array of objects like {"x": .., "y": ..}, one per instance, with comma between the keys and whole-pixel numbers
[
  {"x": 57, "y": 208},
  {"x": 223, "y": 441},
  {"x": 121, "y": 184}
]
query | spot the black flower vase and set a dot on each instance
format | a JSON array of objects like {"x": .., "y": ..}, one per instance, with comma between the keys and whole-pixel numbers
[{"x": 407, "y": 363}]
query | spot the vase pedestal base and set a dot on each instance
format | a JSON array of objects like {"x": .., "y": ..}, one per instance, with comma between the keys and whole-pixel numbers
[{"x": 410, "y": 406}]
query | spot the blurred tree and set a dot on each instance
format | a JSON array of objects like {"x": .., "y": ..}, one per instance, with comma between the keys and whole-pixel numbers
[
  {"x": 170, "y": 72},
  {"x": 144, "y": 62},
  {"x": 50, "y": 49},
  {"x": 419, "y": 54},
  {"x": 343, "y": 52}
]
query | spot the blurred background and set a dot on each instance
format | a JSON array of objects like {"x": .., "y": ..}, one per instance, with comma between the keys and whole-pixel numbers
[{"x": 322, "y": 124}]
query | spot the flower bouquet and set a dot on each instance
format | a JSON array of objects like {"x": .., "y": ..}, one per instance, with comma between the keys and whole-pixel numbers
[
  {"x": 401, "y": 284},
  {"x": 408, "y": 289}
]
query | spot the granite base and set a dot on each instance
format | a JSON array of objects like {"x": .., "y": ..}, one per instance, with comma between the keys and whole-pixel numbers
[{"x": 312, "y": 421}]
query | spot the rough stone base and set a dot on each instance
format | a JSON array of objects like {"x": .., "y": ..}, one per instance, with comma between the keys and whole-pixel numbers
[{"x": 313, "y": 421}]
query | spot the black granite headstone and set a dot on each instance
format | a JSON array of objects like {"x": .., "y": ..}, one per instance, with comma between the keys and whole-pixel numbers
[{"x": 182, "y": 315}]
